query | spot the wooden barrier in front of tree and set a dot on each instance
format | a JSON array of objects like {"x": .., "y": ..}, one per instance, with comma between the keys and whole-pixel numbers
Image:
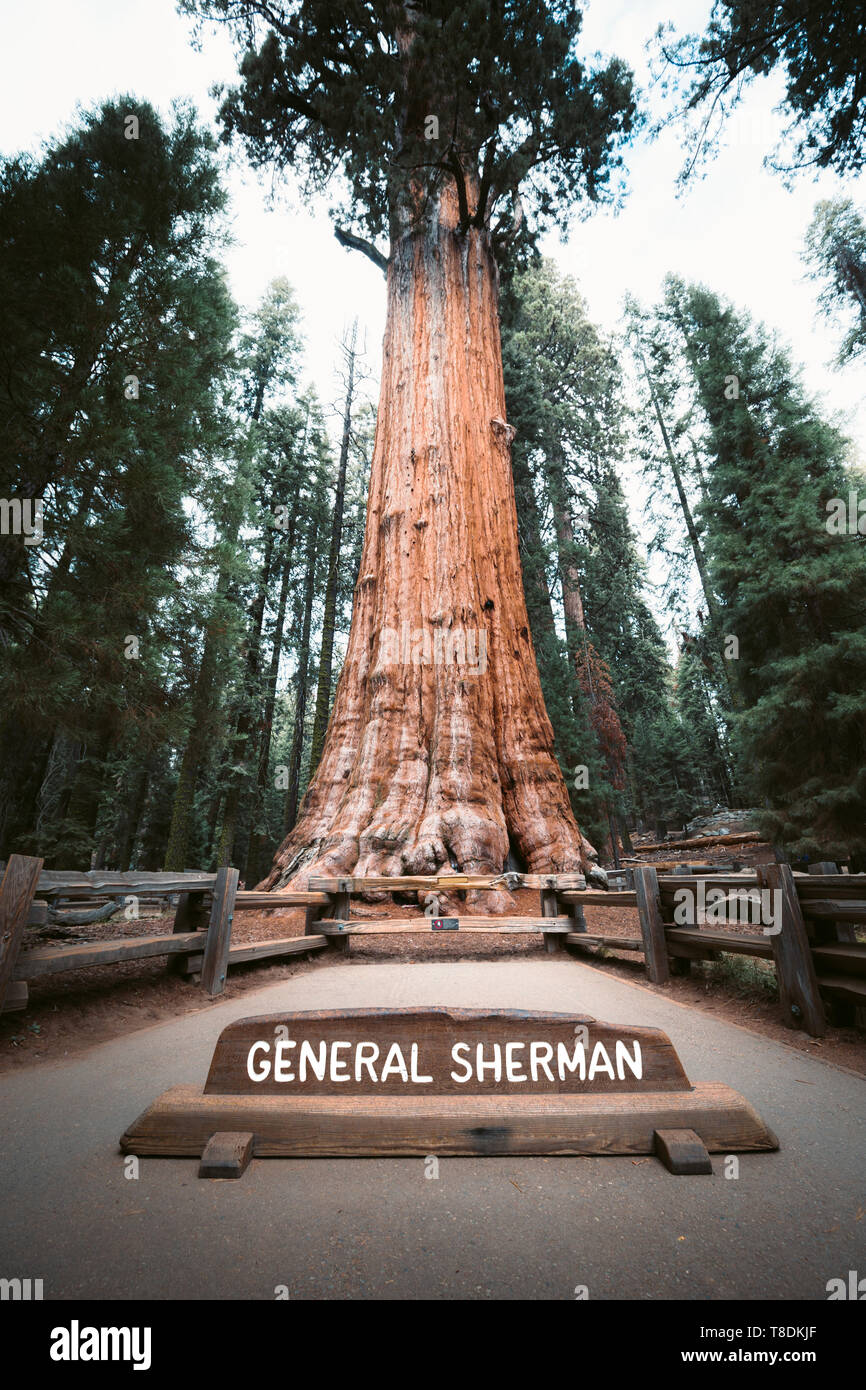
[
  {"x": 185, "y": 949},
  {"x": 372, "y": 1082},
  {"x": 555, "y": 891},
  {"x": 17, "y": 891},
  {"x": 820, "y": 961}
]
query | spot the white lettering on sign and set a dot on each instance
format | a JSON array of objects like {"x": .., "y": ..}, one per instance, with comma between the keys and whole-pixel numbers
[
  {"x": 634, "y": 1064},
  {"x": 339, "y": 1070},
  {"x": 281, "y": 1061},
  {"x": 576, "y": 1060},
  {"x": 317, "y": 1064},
  {"x": 265, "y": 1067},
  {"x": 537, "y": 1061},
  {"x": 487, "y": 1062}
]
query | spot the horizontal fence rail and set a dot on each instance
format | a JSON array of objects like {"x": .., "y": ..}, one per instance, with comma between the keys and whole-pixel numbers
[
  {"x": 810, "y": 935},
  {"x": 812, "y": 941},
  {"x": 203, "y": 917}
]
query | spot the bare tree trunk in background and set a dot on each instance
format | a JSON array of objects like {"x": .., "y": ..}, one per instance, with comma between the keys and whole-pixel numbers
[
  {"x": 239, "y": 743},
  {"x": 256, "y": 851},
  {"x": 329, "y": 619},
  {"x": 694, "y": 540},
  {"x": 301, "y": 689}
]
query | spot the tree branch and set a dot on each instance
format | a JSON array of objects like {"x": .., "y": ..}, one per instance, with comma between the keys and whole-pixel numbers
[
  {"x": 457, "y": 169},
  {"x": 357, "y": 243},
  {"x": 486, "y": 179}
]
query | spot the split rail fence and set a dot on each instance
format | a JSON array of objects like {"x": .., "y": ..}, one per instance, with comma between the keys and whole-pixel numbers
[
  {"x": 199, "y": 946},
  {"x": 820, "y": 964}
]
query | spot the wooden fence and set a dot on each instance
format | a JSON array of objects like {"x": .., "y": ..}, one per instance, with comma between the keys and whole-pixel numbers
[
  {"x": 199, "y": 947},
  {"x": 820, "y": 965}
]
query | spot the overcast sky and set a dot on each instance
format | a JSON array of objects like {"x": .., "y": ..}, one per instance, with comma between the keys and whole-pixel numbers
[{"x": 738, "y": 229}]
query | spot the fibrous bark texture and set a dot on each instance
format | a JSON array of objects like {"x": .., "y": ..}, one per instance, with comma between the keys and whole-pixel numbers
[{"x": 439, "y": 750}]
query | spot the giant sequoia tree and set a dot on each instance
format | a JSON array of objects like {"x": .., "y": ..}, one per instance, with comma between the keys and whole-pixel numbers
[{"x": 446, "y": 126}]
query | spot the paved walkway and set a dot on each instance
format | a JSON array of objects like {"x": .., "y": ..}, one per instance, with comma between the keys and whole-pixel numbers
[{"x": 486, "y": 1228}]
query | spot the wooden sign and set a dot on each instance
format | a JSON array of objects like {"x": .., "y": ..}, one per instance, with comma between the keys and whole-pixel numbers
[
  {"x": 439, "y": 1052},
  {"x": 444, "y": 1081}
]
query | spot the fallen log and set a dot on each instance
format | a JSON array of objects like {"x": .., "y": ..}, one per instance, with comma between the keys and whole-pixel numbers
[
  {"x": 82, "y": 919},
  {"x": 741, "y": 837}
]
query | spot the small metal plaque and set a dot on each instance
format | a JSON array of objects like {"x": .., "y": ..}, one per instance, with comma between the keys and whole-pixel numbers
[{"x": 445, "y": 923}]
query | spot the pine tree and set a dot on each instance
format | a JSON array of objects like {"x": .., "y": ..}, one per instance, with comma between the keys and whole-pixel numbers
[
  {"x": 269, "y": 361},
  {"x": 545, "y": 342},
  {"x": 565, "y": 398},
  {"x": 220, "y": 643},
  {"x": 329, "y": 618},
  {"x": 836, "y": 253},
  {"x": 673, "y": 469},
  {"x": 110, "y": 417},
  {"x": 815, "y": 48},
  {"x": 792, "y": 584},
  {"x": 288, "y": 431}
]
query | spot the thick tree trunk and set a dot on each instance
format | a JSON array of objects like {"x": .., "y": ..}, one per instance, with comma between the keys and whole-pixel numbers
[{"x": 439, "y": 746}]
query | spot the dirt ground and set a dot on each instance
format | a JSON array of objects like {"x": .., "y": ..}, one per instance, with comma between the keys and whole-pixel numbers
[{"x": 70, "y": 1012}]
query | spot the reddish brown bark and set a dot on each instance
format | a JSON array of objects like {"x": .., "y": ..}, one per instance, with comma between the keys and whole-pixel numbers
[{"x": 437, "y": 762}]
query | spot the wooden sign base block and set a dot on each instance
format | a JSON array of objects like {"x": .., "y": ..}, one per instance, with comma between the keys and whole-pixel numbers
[
  {"x": 226, "y": 1155},
  {"x": 183, "y": 1119},
  {"x": 682, "y": 1151},
  {"x": 370, "y": 1083}
]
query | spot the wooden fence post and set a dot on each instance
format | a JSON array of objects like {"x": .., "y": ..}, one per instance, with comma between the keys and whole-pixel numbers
[
  {"x": 577, "y": 915},
  {"x": 822, "y": 930},
  {"x": 16, "y": 894},
  {"x": 553, "y": 941},
  {"x": 840, "y": 1012},
  {"x": 188, "y": 916},
  {"x": 219, "y": 932},
  {"x": 341, "y": 910},
  {"x": 681, "y": 965},
  {"x": 799, "y": 994},
  {"x": 190, "y": 911},
  {"x": 646, "y": 886}
]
